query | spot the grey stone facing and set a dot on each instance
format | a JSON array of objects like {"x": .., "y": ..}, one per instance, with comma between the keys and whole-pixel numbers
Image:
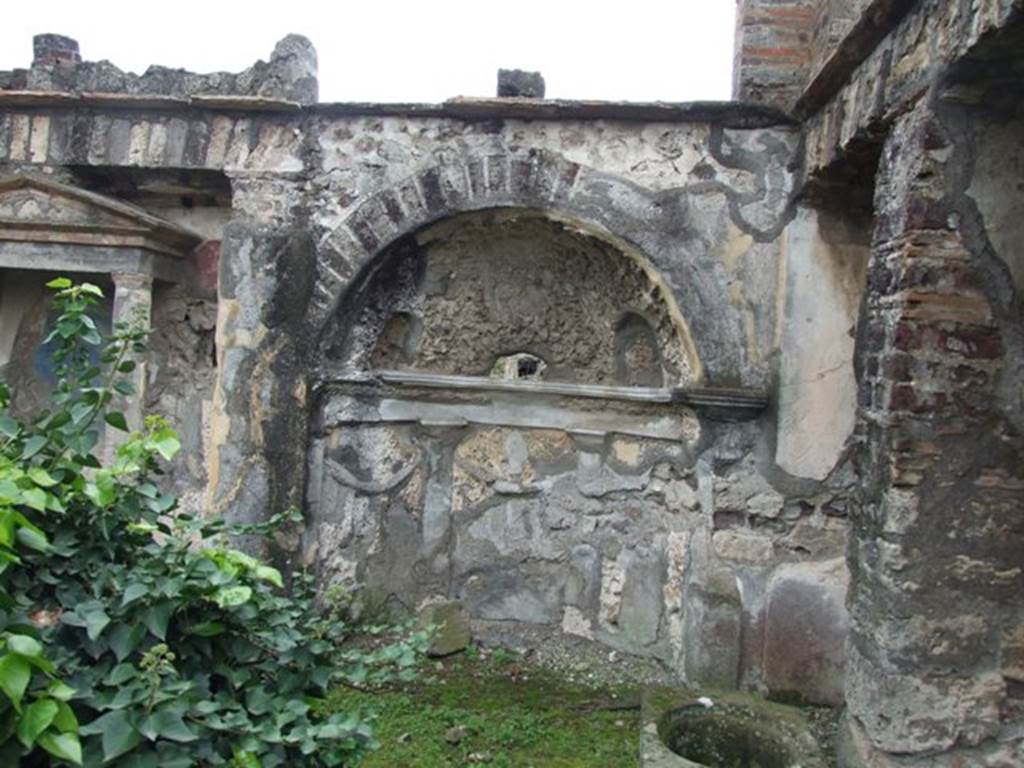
[{"x": 516, "y": 83}]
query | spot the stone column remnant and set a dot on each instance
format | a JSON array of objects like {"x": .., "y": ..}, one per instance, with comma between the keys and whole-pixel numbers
[
  {"x": 515, "y": 83},
  {"x": 773, "y": 50},
  {"x": 133, "y": 305},
  {"x": 936, "y": 564},
  {"x": 50, "y": 49},
  {"x": 294, "y": 62}
]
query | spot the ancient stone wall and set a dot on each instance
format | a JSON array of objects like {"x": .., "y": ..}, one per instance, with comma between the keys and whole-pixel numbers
[
  {"x": 517, "y": 352},
  {"x": 916, "y": 107}
]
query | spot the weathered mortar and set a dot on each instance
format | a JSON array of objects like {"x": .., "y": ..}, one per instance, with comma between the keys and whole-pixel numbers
[
  {"x": 750, "y": 249},
  {"x": 679, "y": 211}
]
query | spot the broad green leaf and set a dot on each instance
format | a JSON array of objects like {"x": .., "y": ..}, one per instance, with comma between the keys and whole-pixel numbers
[
  {"x": 95, "y": 622},
  {"x": 35, "y": 498},
  {"x": 133, "y": 592},
  {"x": 162, "y": 503},
  {"x": 102, "y": 492},
  {"x": 59, "y": 283},
  {"x": 118, "y": 734},
  {"x": 64, "y": 746},
  {"x": 33, "y": 446},
  {"x": 209, "y": 629},
  {"x": 266, "y": 573},
  {"x": 8, "y": 426},
  {"x": 240, "y": 558},
  {"x": 164, "y": 724},
  {"x": 15, "y": 672},
  {"x": 23, "y": 645},
  {"x": 116, "y": 420},
  {"x": 258, "y": 701},
  {"x": 80, "y": 412},
  {"x": 41, "y": 477},
  {"x": 229, "y": 597},
  {"x": 246, "y": 759},
  {"x": 166, "y": 442},
  {"x": 123, "y": 639},
  {"x": 157, "y": 617},
  {"x": 60, "y": 691},
  {"x": 36, "y": 718},
  {"x": 148, "y": 490},
  {"x": 121, "y": 674},
  {"x": 65, "y": 721},
  {"x": 91, "y": 289},
  {"x": 33, "y": 539}
]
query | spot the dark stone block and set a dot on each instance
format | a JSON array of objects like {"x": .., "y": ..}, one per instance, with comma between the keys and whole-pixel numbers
[
  {"x": 50, "y": 49},
  {"x": 477, "y": 183},
  {"x": 364, "y": 232},
  {"x": 392, "y": 208},
  {"x": 515, "y": 83},
  {"x": 433, "y": 197},
  {"x": 196, "y": 141},
  {"x": 497, "y": 176}
]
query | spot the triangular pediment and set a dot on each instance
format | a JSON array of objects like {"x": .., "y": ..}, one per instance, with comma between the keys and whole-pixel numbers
[{"x": 34, "y": 209}]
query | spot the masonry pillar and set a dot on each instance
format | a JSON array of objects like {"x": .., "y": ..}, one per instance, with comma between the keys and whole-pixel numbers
[
  {"x": 937, "y": 554},
  {"x": 773, "y": 50},
  {"x": 260, "y": 419},
  {"x": 133, "y": 305}
]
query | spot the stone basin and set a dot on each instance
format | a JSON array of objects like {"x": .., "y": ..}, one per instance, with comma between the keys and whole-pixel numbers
[{"x": 691, "y": 728}]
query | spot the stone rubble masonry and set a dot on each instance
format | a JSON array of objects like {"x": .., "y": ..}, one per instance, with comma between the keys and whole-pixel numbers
[
  {"x": 289, "y": 75},
  {"x": 891, "y": 76},
  {"x": 700, "y": 550}
]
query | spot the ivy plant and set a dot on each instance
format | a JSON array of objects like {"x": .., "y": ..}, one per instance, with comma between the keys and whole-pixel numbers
[{"x": 132, "y": 634}]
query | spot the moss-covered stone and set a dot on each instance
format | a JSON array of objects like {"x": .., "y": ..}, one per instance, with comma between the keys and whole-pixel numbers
[
  {"x": 689, "y": 728},
  {"x": 451, "y": 627}
]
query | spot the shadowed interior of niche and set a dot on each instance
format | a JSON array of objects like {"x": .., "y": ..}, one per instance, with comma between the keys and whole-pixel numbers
[{"x": 509, "y": 294}]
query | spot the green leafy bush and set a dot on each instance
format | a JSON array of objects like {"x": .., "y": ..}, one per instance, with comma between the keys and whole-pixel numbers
[{"x": 133, "y": 635}]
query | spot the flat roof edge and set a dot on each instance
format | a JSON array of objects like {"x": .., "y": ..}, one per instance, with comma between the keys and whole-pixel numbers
[{"x": 729, "y": 114}]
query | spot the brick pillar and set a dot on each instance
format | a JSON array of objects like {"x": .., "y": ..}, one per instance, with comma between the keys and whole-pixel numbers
[
  {"x": 773, "y": 50},
  {"x": 50, "y": 50},
  {"x": 133, "y": 304},
  {"x": 937, "y": 551}
]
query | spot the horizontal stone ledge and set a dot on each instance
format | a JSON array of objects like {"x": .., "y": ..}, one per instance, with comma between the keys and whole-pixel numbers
[
  {"x": 876, "y": 21},
  {"x": 718, "y": 403},
  {"x": 93, "y": 259},
  {"x": 729, "y": 114},
  {"x": 354, "y": 405},
  {"x": 145, "y": 101}
]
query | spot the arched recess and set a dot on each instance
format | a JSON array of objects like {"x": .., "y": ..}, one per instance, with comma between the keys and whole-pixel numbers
[
  {"x": 652, "y": 228},
  {"x": 459, "y": 296}
]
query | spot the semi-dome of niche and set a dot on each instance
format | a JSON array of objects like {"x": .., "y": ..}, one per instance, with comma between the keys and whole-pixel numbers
[{"x": 511, "y": 294}]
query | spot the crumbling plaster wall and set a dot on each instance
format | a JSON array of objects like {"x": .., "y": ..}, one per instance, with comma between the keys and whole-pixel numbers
[
  {"x": 467, "y": 292},
  {"x": 627, "y": 562},
  {"x": 693, "y": 536},
  {"x": 929, "y": 93}
]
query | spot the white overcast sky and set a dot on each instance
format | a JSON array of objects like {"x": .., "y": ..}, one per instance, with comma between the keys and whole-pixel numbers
[{"x": 400, "y": 50}]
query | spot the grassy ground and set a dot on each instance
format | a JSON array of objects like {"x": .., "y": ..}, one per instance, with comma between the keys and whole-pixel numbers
[{"x": 493, "y": 710}]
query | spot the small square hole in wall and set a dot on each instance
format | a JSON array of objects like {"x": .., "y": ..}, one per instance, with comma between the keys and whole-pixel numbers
[{"x": 521, "y": 365}]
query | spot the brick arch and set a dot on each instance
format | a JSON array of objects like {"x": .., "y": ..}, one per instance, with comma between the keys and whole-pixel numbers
[{"x": 649, "y": 226}]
